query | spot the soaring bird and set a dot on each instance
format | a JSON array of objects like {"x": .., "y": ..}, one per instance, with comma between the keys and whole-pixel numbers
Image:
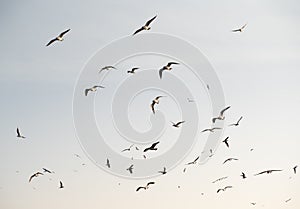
[
  {"x": 288, "y": 200},
  {"x": 194, "y": 161},
  {"x": 221, "y": 115},
  {"x": 243, "y": 175},
  {"x": 176, "y": 125},
  {"x": 163, "y": 172},
  {"x": 240, "y": 29},
  {"x": 224, "y": 189},
  {"x": 266, "y": 172},
  {"x": 220, "y": 179},
  {"x": 237, "y": 123},
  {"x": 61, "y": 186},
  {"x": 107, "y": 163},
  {"x": 226, "y": 141},
  {"x": 59, "y": 37},
  {"x": 154, "y": 102},
  {"x": 130, "y": 169},
  {"x": 108, "y": 67},
  {"x": 128, "y": 149},
  {"x": 211, "y": 153},
  {"x": 93, "y": 89},
  {"x": 166, "y": 67},
  {"x": 253, "y": 203},
  {"x": 19, "y": 134},
  {"x": 145, "y": 187},
  {"x": 295, "y": 169},
  {"x": 35, "y": 175},
  {"x": 145, "y": 27},
  {"x": 132, "y": 71},
  {"x": 152, "y": 147},
  {"x": 211, "y": 129},
  {"x": 47, "y": 171},
  {"x": 229, "y": 159}
]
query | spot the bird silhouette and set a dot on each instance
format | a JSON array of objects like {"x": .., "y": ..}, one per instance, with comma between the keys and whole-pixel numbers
[
  {"x": 237, "y": 123},
  {"x": 166, "y": 67},
  {"x": 295, "y": 169},
  {"x": 211, "y": 129},
  {"x": 108, "y": 67},
  {"x": 35, "y": 175},
  {"x": 230, "y": 159},
  {"x": 194, "y": 161},
  {"x": 267, "y": 172},
  {"x": 226, "y": 141},
  {"x": 93, "y": 89},
  {"x": 127, "y": 149},
  {"x": 240, "y": 29},
  {"x": 177, "y": 125},
  {"x": 145, "y": 27},
  {"x": 152, "y": 147},
  {"x": 59, "y": 37},
  {"x": 130, "y": 169},
  {"x": 155, "y": 102},
  {"x": 145, "y": 187},
  {"x": 132, "y": 71},
  {"x": 224, "y": 189},
  {"x": 61, "y": 186},
  {"x": 19, "y": 134},
  {"x": 163, "y": 172},
  {"x": 220, "y": 179},
  {"x": 47, "y": 171},
  {"x": 221, "y": 115},
  {"x": 243, "y": 175},
  {"x": 107, "y": 163}
]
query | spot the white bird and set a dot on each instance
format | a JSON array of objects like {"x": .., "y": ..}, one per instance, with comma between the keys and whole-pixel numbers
[
  {"x": 154, "y": 102},
  {"x": 167, "y": 67},
  {"x": 240, "y": 29},
  {"x": 59, "y": 37},
  {"x": 93, "y": 89},
  {"x": 221, "y": 115},
  {"x": 145, "y": 27}
]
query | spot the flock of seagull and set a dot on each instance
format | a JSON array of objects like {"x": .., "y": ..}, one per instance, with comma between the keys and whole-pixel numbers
[{"x": 154, "y": 103}]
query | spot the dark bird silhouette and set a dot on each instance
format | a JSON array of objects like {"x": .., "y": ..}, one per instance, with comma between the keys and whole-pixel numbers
[
  {"x": 35, "y": 175},
  {"x": 229, "y": 159},
  {"x": 224, "y": 189},
  {"x": 243, "y": 175},
  {"x": 93, "y": 89},
  {"x": 108, "y": 67},
  {"x": 176, "y": 125},
  {"x": 132, "y": 71},
  {"x": 130, "y": 169},
  {"x": 163, "y": 172},
  {"x": 127, "y": 149},
  {"x": 237, "y": 123},
  {"x": 166, "y": 67},
  {"x": 152, "y": 147},
  {"x": 145, "y": 27},
  {"x": 145, "y": 187},
  {"x": 295, "y": 169},
  {"x": 19, "y": 134},
  {"x": 288, "y": 200},
  {"x": 61, "y": 186},
  {"x": 253, "y": 203},
  {"x": 221, "y": 115},
  {"x": 155, "y": 102},
  {"x": 107, "y": 163},
  {"x": 194, "y": 161},
  {"x": 220, "y": 179},
  {"x": 59, "y": 37},
  {"x": 226, "y": 141},
  {"x": 240, "y": 29},
  {"x": 267, "y": 172},
  {"x": 47, "y": 171},
  {"x": 211, "y": 129}
]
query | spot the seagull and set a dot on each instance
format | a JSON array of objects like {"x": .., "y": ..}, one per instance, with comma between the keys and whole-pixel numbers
[
  {"x": 35, "y": 175},
  {"x": 176, "y": 125},
  {"x": 240, "y": 29},
  {"x": 167, "y": 67},
  {"x": 220, "y": 179},
  {"x": 127, "y": 149},
  {"x": 227, "y": 187},
  {"x": 243, "y": 175},
  {"x": 295, "y": 169},
  {"x": 130, "y": 169},
  {"x": 61, "y": 186},
  {"x": 267, "y": 172},
  {"x": 145, "y": 187},
  {"x": 288, "y": 200},
  {"x": 211, "y": 153},
  {"x": 93, "y": 89},
  {"x": 152, "y": 147},
  {"x": 253, "y": 203},
  {"x": 19, "y": 134},
  {"x": 146, "y": 26},
  {"x": 211, "y": 129},
  {"x": 163, "y": 172},
  {"x": 108, "y": 67},
  {"x": 154, "y": 102},
  {"x": 237, "y": 123},
  {"x": 47, "y": 171},
  {"x": 193, "y": 162},
  {"x": 190, "y": 100},
  {"x": 226, "y": 141},
  {"x": 132, "y": 71},
  {"x": 229, "y": 159},
  {"x": 107, "y": 163},
  {"x": 221, "y": 116},
  {"x": 59, "y": 37}
]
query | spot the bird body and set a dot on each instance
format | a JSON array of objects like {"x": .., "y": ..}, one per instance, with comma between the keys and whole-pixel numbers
[
  {"x": 155, "y": 102},
  {"x": 145, "y": 187},
  {"x": 194, "y": 161},
  {"x": 243, "y": 175},
  {"x": 224, "y": 189},
  {"x": 58, "y": 38},
  {"x": 130, "y": 169},
  {"x": 19, "y": 134},
  {"x": 240, "y": 29},
  {"x": 226, "y": 141},
  {"x": 35, "y": 175},
  {"x": 163, "y": 172},
  {"x": 132, "y": 71},
  {"x": 107, "y": 163},
  {"x": 220, "y": 179},
  {"x": 152, "y": 147},
  {"x": 93, "y": 89},
  {"x": 176, "y": 125},
  {"x": 267, "y": 172},
  {"x": 211, "y": 129},
  {"x": 145, "y": 27},
  {"x": 61, "y": 186},
  {"x": 108, "y": 67},
  {"x": 295, "y": 169},
  {"x": 221, "y": 115},
  {"x": 166, "y": 67},
  {"x": 237, "y": 123},
  {"x": 230, "y": 159}
]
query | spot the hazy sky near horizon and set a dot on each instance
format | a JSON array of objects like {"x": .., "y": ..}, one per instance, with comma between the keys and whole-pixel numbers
[{"x": 258, "y": 69}]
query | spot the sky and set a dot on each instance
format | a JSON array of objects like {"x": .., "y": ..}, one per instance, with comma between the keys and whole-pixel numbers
[{"x": 258, "y": 70}]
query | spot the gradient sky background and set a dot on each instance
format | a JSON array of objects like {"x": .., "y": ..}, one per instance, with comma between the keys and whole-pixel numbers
[{"x": 259, "y": 71}]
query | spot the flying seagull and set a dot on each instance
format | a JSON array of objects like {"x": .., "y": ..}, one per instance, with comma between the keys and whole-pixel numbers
[
  {"x": 35, "y": 175},
  {"x": 243, "y": 175},
  {"x": 295, "y": 169},
  {"x": 130, "y": 169},
  {"x": 288, "y": 200},
  {"x": 154, "y": 102},
  {"x": 167, "y": 67},
  {"x": 221, "y": 115},
  {"x": 225, "y": 188},
  {"x": 229, "y": 159},
  {"x": 59, "y": 37},
  {"x": 176, "y": 125},
  {"x": 127, "y": 149},
  {"x": 145, "y": 187},
  {"x": 220, "y": 179},
  {"x": 226, "y": 141},
  {"x": 61, "y": 186},
  {"x": 152, "y": 147},
  {"x": 108, "y": 67},
  {"x": 93, "y": 89},
  {"x": 163, "y": 172},
  {"x": 240, "y": 29},
  {"x": 107, "y": 163},
  {"x": 266, "y": 172},
  {"x": 132, "y": 71},
  {"x": 146, "y": 26},
  {"x": 253, "y": 203},
  {"x": 237, "y": 123},
  {"x": 47, "y": 171},
  {"x": 211, "y": 129},
  {"x": 193, "y": 162},
  {"x": 19, "y": 134}
]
